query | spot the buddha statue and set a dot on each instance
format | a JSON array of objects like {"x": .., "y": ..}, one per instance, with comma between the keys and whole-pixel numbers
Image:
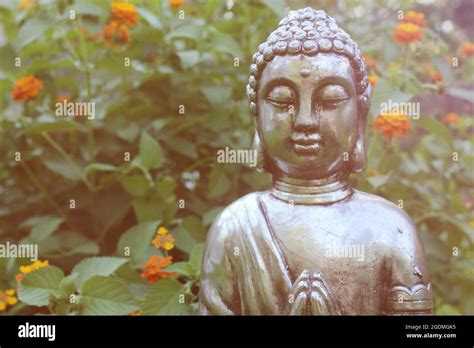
[{"x": 312, "y": 245}]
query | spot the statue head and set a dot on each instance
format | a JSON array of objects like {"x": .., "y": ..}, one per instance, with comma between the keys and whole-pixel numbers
[{"x": 309, "y": 95}]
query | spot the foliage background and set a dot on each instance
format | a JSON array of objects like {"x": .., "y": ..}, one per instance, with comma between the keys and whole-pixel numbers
[{"x": 191, "y": 62}]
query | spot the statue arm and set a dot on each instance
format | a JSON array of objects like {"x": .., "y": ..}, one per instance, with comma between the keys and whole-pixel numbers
[
  {"x": 408, "y": 291},
  {"x": 217, "y": 295}
]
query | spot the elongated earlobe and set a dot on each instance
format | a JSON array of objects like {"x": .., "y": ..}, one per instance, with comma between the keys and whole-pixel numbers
[
  {"x": 359, "y": 155},
  {"x": 257, "y": 146}
]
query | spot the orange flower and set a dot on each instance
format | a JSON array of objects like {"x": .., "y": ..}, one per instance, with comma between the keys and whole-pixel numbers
[
  {"x": 436, "y": 76},
  {"x": 373, "y": 79},
  {"x": 407, "y": 32},
  {"x": 26, "y": 4},
  {"x": 175, "y": 4},
  {"x": 153, "y": 268},
  {"x": 27, "y": 87},
  {"x": 7, "y": 298},
  {"x": 451, "y": 118},
  {"x": 414, "y": 17},
  {"x": 392, "y": 125},
  {"x": 467, "y": 49},
  {"x": 370, "y": 62},
  {"x": 30, "y": 268},
  {"x": 125, "y": 13},
  {"x": 116, "y": 34}
]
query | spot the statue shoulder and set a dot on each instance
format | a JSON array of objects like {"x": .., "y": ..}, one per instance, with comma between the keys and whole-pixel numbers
[
  {"x": 395, "y": 229},
  {"x": 233, "y": 218},
  {"x": 381, "y": 210}
]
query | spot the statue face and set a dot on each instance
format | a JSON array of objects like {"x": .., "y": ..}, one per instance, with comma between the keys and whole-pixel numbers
[{"x": 307, "y": 114}]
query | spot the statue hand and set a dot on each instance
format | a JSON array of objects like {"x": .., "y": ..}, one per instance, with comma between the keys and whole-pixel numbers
[{"x": 311, "y": 296}]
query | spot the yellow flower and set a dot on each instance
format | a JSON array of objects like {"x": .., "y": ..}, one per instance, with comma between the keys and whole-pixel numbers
[
  {"x": 407, "y": 32},
  {"x": 414, "y": 17},
  {"x": 125, "y": 13},
  {"x": 30, "y": 268},
  {"x": 26, "y": 87},
  {"x": 26, "y": 4},
  {"x": 162, "y": 231},
  {"x": 163, "y": 240},
  {"x": 392, "y": 125},
  {"x": 7, "y": 298}
]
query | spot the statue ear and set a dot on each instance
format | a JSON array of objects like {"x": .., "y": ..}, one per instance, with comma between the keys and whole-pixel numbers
[
  {"x": 257, "y": 146},
  {"x": 359, "y": 155}
]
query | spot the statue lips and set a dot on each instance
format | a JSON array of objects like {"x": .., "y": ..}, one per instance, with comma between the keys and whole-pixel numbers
[{"x": 306, "y": 144}]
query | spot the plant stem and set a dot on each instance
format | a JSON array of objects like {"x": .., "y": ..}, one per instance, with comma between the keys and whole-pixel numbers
[
  {"x": 61, "y": 151},
  {"x": 45, "y": 192}
]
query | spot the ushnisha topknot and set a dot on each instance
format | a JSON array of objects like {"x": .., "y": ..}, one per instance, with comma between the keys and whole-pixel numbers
[{"x": 308, "y": 31}]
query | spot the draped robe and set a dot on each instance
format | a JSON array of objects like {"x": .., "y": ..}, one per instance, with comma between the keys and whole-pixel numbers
[{"x": 248, "y": 270}]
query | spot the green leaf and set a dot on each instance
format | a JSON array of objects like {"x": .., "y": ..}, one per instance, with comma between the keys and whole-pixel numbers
[
  {"x": 277, "y": 6},
  {"x": 44, "y": 229},
  {"x": 148, "y": 209},
  {"x": 67, "y": 285},
  {"x": 166, "y": 186},
  {"x": 191, "y": 31},
  {"x": 87, "y": 8},
  {"x": 211, "y": 215},
  {"x": 93, "y": 266},
  {"x": 216, "y": 95},
  {"x": 379, "y": 180},
  {"x": 37, "y": 287},
  {"x": 162, "y": 298},
  {"x": 30, "y": 31},
  {"x": 129, "y": 133},
  {"x": 196, "y": 258},
  {"x": 136, "y": 185},
  {"x": 99, "y": 167},
  {"x": 60, "y": 166},
  {"x": 218, "y": 183},
  {"x": 106, "y": 296},
  {"x": 149, "y": 17},
  {"x": 188, "y": 58},
  {"x": 226, "y": 43},
  {"x": 436, "y": 128},
  {"x": 151, "y": 153},
  {"x": 137, "y": 239},
  {"x": 385, "y": 91},
  {"x": 183, "y": 268},
  {"x": 183, "y": 147}
]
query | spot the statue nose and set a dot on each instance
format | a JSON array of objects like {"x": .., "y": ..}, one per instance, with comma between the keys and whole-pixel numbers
[{"x": 306, "y": 119}]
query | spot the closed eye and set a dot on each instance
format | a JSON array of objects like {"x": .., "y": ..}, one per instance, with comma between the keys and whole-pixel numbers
[
  {"x": 282, "y": 103},
  {"x": 334, "y": 102}
]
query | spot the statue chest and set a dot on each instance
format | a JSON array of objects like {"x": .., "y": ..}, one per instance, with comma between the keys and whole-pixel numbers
[{"x": 330, "y": 241}]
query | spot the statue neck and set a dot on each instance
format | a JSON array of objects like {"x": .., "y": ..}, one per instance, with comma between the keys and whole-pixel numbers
[{"x": 310, "y": 192}]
